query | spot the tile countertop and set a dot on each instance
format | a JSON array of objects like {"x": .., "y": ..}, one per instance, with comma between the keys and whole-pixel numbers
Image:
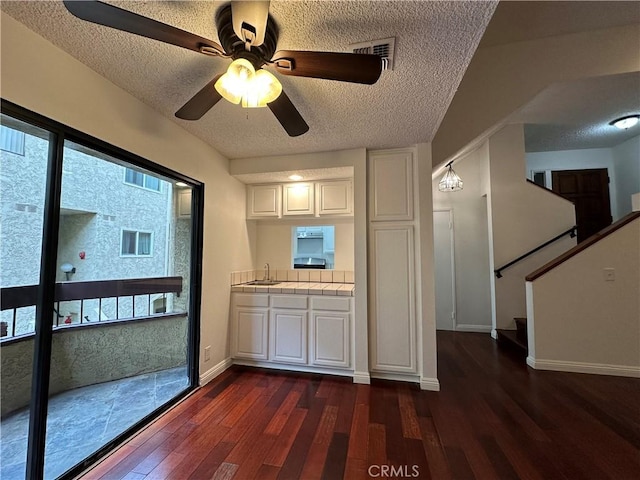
[{"x": 300, "y": 288}]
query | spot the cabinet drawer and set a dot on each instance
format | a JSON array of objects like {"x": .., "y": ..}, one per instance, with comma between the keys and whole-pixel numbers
[
  {"x": 289, "y": 301},
  {"x": 331, "y": 303},
  {"x": 251, "y": 300}
]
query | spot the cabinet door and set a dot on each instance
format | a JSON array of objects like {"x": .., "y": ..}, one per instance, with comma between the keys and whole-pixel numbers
[
  {"x": 391, "y": 185},
  {"x": 334, "y": 198},
  {"x": 263, "y": 201},
  {"x": 298, "y": 199},
  {"x": 330, "y": 339},
  {"x": 250, "y": 333},
  {"x": 288, "y": 336},
  {"x": 392, "y": 307}
]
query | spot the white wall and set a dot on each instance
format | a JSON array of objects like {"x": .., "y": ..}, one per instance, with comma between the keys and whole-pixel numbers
[
  {"x": 274, "y": 241},
  {"x": 581, "y": 322},
  {"x": 522, "y": 216},
  {"x": 42, "y": 78},
  {"x": 471, "y": 239},
  {"x": 503, "y": 78},
  {"x": 626, "y": 163},
  {"x": 578, "y": 160}
]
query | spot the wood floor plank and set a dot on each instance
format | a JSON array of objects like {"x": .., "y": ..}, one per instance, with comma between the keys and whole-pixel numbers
[
  {"x": 226, "y": 471},
  {"x": 493, "y": 418},
  {"x": 283, "y": 442}
]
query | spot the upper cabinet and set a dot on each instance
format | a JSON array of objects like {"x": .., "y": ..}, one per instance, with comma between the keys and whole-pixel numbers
[
  {"x": 264, "y": 201},
  {"x": 325, "y": 198},
  {"x": 184, "y": 203},
  {"x": 298, "y": 199},
  {"x": 391, "y": 185},
  {"x": 334, "y": 197}
]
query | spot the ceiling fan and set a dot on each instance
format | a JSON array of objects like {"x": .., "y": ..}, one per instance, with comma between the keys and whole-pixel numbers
[{"x": 249, "y": 36}]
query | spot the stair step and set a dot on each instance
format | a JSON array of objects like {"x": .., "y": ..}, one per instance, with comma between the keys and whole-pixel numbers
[
  {"x": 509, "y": 340},
  {"x": 521, "y": 329}
]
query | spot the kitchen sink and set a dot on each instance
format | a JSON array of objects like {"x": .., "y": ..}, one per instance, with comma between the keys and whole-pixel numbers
[{"x": 262, "y": 282}]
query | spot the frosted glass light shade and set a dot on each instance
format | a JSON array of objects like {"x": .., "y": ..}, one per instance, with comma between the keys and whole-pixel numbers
[
  {"x": 241, "y": 83},
  {"x": 626, "y": 122},
  {"x": 450, "y": 182}
]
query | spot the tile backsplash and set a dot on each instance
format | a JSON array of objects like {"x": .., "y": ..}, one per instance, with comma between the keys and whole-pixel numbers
[{"x": 297, "y": 275}]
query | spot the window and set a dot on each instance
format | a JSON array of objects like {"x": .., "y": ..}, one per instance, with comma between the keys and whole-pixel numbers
[
  {"x": 540, "y": 178},
  {"x": 135, "y": 244},
  {"x": 134, "y": 177},
  {"x": 11, "y": 140}
]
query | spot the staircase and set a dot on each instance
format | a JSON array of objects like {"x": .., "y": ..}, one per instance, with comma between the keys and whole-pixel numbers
[{"x": 515, "y": 340}]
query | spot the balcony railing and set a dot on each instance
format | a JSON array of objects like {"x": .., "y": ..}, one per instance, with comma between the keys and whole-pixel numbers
[{"x": 116, "y": 295}]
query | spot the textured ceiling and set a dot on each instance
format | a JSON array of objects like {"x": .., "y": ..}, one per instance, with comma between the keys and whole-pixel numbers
[
  {"x": 434, "y": 44},
  {"x": 575, "y": 115}
]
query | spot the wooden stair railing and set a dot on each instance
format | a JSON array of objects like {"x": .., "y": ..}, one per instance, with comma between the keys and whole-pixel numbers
[{"x": 583, "y": 245}]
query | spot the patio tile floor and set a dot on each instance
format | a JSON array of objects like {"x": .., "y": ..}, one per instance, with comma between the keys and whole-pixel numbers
[{"x": 82, "y": 420}]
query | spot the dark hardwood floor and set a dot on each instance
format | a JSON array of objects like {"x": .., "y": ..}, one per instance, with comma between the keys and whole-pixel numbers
[{"x": 493, "y": 419}]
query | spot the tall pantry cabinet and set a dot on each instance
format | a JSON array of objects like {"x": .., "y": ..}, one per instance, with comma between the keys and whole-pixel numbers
[{"x": 392, "y": 286}]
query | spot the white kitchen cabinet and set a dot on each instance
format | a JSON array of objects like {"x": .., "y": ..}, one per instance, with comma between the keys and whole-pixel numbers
[
  {"x": 184, "y": 203},
  {"x": 392, "y": 304},
  {"x": 330, "y": 340},
  {"x": 298, "y": 199},
  {"x": 334, "y": 197},
  {"x": 250, "y": 333},
  {"x": 250, "y": 326},
  {"x": 391, "y": 185},
  {"x": 264, "y": 201},
  {"x": 305, "y": 332},
  {"x": 288, "y": 336}
]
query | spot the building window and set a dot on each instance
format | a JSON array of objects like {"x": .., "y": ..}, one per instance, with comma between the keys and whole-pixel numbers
[
  {"x": 11, "y": 140},
  {"x": 139, "y": 179},
  {"x": 136, "y": 244},
  {"x": 540, "y": 178}
]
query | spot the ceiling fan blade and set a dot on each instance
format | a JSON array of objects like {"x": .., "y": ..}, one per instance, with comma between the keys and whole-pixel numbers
[
  {"x": 288, "y": 115},
  {"x": 344, "y": 67},
  {"x": 114, "y": 17},
  {"x": 201, "y": 102},
  {"x": 250, "y": 21}
]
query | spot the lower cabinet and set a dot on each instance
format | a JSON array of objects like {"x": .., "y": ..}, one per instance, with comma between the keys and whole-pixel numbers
[
  {"x": 292, "y": 329},
  {"x": 330, "y": 339},
  {"x": 251, "y": 330},
  {"x": 288, "y": 336}
]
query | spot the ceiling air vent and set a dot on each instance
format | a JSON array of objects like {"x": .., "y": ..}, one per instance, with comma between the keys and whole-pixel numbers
[{"x": 383, "y": 48}]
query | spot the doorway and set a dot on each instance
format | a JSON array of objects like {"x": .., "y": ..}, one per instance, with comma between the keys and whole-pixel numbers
[
  {"x": 589, "y": 191},
  {"x": 100, "y": 253},
  {"x": 443, "y": 248}
]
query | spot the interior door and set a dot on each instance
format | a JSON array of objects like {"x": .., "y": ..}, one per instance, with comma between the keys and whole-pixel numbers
[
  {"x": 589, "y": 191},
  {"x": 444, "y": 269}
]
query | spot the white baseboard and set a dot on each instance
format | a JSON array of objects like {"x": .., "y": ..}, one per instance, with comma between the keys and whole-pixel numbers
[
  {"x": 293, "y": 367},
  {"x": 214, "y": 371},
  {"x": 362, "y": 377},
  {"x": 474, "y": 328},
  {"x": 494, "y": 334},
  {"x": 400, "y": 377},
  {"x": 431, "y": 384},
  {"x": 582, "y": 367}
]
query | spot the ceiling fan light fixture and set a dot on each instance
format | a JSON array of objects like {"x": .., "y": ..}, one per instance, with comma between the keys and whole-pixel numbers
[
  {"x": 624, "y": 123},
  {"x": 241, "y": 83},
  {"x": 264, "y": 88},
  {"x": 450, "y": 182}
]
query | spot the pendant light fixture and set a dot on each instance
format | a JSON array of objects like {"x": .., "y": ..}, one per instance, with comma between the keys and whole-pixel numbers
[{"x": 450, "y": 182}]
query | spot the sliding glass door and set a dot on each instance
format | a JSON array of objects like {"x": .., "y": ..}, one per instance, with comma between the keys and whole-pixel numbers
[{"x": 115, "y": 339}]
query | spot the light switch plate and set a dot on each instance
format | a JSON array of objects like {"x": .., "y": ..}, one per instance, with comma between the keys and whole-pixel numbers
[{"x": 609, "y": 275}]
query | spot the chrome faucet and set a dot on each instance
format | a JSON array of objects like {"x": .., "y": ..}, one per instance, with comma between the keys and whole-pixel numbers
[{"x": 267, "y": 273}]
